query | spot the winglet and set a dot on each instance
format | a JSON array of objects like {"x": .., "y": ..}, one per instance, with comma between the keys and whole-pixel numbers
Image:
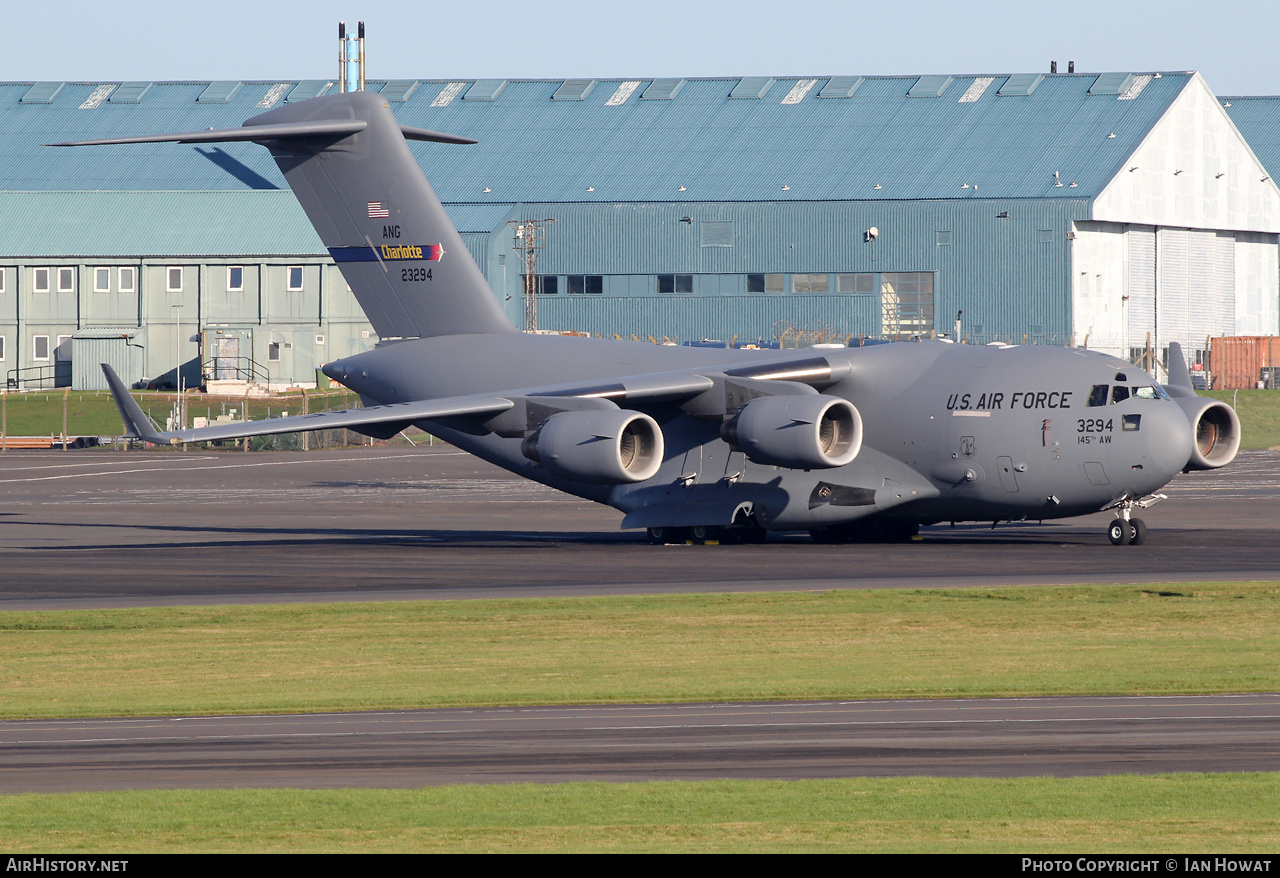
[
  {"x": 1179, "y": 376},
  {"x": 136, "y": 423}
]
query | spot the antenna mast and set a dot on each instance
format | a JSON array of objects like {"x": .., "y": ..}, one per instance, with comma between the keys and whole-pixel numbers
[{"x": 530, "y": 237}]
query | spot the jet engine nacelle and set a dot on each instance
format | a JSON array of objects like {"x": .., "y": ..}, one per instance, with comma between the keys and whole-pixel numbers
[
  {"x": 601, "y": 446},
  {"x": 810, "y": 431},
  {"x": 1216, "y": 429}
]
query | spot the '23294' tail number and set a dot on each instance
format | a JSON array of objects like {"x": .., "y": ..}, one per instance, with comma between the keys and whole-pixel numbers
[{"x": 415, "y": 274}]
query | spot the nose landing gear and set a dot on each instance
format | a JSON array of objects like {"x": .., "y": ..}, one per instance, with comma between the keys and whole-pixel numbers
[
  {"x": 1132, "y": 531},
  {"x": 1126, "y": 530}
]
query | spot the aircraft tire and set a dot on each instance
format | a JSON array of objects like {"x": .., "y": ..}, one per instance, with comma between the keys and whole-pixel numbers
[
  {"x": 898, "y": 531},
  {"x": 1137, "y": 531},
  {"x": 702, "y": 533},
  {"x": 1118, "y": 532},
  {"x": 663, "y": 536}
]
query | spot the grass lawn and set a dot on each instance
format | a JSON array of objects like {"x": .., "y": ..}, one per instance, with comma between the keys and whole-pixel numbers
[
  {"x": 1188, "y": 638},
  {"x": 1162, "y": 813},
  {"x": 1259, "y": 412}
]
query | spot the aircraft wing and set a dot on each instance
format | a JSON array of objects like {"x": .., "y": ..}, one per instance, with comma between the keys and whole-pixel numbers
[
  {"x": 787, "y": 375},
  {"x": 139, "y": 426}
]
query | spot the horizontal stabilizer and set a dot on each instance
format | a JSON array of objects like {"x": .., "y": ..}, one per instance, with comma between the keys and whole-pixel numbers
[
  {"x": 139, "y": 426},
  {"x": 326, "y": 128},
  {"x": 265, "y": 133}
]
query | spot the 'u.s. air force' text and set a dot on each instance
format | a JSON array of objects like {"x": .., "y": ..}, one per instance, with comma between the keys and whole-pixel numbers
[{"x": 994, "y": 402}]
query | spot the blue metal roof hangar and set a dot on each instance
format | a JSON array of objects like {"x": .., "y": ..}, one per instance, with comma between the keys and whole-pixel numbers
[
  {"x": 1059, "y": 208},
  {"x": 731, "y": 139}
]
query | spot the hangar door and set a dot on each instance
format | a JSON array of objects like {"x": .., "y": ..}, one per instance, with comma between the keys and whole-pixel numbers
[
  {"x": 1181, "y": 287},
  {"x": 114, "y": 346}
]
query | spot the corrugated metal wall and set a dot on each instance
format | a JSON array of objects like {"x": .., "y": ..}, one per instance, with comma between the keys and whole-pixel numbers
[{"x": 1005, "y": 263}]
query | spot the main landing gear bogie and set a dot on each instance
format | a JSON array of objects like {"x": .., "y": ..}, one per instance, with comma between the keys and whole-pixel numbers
[
  {"x": 701, "y": 534},
  {"x": 867, "y": 532}
]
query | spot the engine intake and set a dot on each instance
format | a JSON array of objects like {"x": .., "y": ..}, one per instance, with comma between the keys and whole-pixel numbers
[
  {"x": 811, "y": 431},
  {"x": 601, "y": 446},
  {"x": 1217, "y": 432}
]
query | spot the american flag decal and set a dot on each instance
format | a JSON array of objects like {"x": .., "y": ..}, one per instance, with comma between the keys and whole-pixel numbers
[{"x": 377, "y": 211}]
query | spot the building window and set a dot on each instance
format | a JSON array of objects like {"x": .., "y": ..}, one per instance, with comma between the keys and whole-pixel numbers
[
  {"x": 273, "y": 352},
  {"x": 295, "y": 278},
  {"x": 944, "y": 237},
  {"x": 235, "y": 279},
  {"x": 126, "y": 278},
  {"x": 810, "y": 283},
  {"x": 102, "y": 280},
  {"x": 1, "y": 348},
  {"x": 2, "y": 274},
  {"x": 717, "y": 234},
  {"x": 62, "y": 353},
  {"x": 592, "y": 284},
  {"x": 1046, "y": 236},
  {"x": 906, "y": 298},
  {"x": 549, "y": 285},
  {"x": 173, "y": 283},
  {"x": 319, "y": 339},
  {"x": 40, "y": 280},
  {"x": 675, "y": 283},
  {"x": 66, "y": 279},
  {"x": 40, "y": 348},
  {"x": 863, "y": 282}
]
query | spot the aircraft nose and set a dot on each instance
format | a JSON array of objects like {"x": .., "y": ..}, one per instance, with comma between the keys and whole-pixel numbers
[{"x": 1169, "y": 438}]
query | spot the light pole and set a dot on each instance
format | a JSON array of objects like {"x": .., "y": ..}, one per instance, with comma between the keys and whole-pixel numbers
[{"x": 179, "y": 413}]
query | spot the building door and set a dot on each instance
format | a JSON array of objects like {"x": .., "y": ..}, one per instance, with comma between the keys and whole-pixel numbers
[{"x": 227, "y": 359}]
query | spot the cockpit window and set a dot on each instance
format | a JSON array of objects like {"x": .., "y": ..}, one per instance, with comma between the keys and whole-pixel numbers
[
  {"x": 1145, "y": 393},
  {"x": 1098, "y": 396},
  {"x": 1119, "y": 393}
]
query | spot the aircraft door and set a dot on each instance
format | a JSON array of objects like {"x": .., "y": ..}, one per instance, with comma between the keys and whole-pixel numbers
[{"x": 1008, "y": 477}]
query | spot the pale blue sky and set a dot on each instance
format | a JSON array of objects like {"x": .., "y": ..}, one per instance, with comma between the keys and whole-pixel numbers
[{"x": 1232, "y": 44}]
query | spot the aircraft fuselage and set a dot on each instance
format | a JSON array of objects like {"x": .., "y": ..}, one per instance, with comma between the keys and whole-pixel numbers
[{"x": 952, "y": 432}]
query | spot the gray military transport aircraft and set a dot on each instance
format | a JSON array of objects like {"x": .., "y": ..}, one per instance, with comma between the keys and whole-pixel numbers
[{"x": 701, "y": 444}]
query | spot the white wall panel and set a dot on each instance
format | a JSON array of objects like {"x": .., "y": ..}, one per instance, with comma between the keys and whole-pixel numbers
[
  {"x": 1142, "y": 285},
  {"x": 1196, "y": 292},
  {"x": 1099, "y": 280},
  {"x": 1256, "y": 293}
]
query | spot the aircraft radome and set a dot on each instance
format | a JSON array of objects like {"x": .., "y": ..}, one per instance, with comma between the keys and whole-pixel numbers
[{"x": 865, "y": 443}]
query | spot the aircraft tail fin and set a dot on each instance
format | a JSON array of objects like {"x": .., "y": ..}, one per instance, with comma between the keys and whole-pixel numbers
[
  {"x": 136, "y": 422},
  {"x": 347, "y": 160}
]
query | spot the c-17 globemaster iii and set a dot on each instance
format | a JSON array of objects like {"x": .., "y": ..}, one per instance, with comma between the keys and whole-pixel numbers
[{"x": 704, "y": 443}]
